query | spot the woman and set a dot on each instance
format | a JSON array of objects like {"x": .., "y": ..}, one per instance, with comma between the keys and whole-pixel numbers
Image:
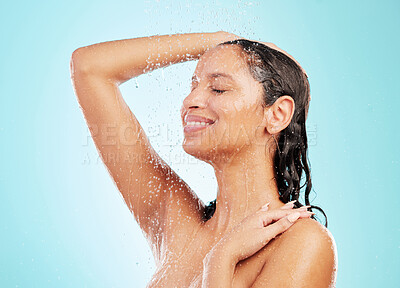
[{"x": 245, "y": 115}]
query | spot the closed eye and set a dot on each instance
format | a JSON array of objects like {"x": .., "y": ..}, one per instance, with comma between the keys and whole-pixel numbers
[
  {"x": 218, "y": 91},
  {"x": 215, "y": 90}
]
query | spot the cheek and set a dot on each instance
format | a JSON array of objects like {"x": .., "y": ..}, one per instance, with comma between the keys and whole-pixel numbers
[
  {"x": 237, "y": 121},
  {"x": 240, "y": 112},
  {"x": 237, "y": 110},
  {"x": 228, "y": 109}
]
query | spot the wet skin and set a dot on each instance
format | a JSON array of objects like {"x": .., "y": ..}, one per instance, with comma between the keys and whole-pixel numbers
[
  {"x": 239, "y": 140},
  {"x": 238, "y": 146}
]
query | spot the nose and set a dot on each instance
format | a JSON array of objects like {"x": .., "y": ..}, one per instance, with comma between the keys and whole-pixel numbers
[{"x": 196, "y": 99}]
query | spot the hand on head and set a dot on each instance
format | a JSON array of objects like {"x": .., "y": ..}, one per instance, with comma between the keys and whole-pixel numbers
[{"x": 230, "y": 37}]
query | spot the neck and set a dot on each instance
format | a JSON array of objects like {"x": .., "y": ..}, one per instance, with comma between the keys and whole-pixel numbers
[{"x": 245, "y": 183}]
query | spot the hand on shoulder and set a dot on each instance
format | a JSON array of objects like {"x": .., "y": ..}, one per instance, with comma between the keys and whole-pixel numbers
[{"x": 305, "y": 253}]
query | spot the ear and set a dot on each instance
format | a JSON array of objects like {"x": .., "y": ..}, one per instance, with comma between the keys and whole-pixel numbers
[{"x": 279, "y": 115}]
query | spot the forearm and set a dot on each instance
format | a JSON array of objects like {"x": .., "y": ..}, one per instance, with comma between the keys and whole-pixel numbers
[
  {"x": 218, "y": 271},
  {"x": 122, "y": 60}
]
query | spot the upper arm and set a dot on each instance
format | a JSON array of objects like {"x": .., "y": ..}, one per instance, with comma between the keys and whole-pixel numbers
[
  {"x": 147, "y": 184},
  {"x": 306, "y": 257}
]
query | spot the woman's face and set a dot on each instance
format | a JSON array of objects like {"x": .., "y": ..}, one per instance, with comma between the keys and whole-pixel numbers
[{"x": 224, "y": 91}]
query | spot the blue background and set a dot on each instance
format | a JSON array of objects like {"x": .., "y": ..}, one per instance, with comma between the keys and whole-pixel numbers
[{"x": 63, "y": 222}]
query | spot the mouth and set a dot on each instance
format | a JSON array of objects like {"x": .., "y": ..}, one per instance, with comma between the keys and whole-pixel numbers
[
  {"x": 193, "y": 123},
  {"x": 191, "y": 127}
]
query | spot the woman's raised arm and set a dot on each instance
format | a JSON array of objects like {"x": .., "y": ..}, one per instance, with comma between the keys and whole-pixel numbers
[
  {"x": 121, "y": 60},
  {"x": 147, "y": 184}
]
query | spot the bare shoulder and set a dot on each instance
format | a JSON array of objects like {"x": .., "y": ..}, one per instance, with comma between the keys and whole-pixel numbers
[
  {"x": 314, "y": 240},
  {"x": 310, "y": 229},
  {"x": 305, "y": 253}
]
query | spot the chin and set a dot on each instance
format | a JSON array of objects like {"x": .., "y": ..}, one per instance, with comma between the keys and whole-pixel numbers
[
  {"x": 211, "y": 154},
  {"x": 198, "y": 150}
]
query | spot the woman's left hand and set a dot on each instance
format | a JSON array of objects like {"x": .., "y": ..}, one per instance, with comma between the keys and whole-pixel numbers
[{"x": 256, "y": 230}]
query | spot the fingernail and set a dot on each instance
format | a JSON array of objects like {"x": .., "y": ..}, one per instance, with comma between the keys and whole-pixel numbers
[
  {"x": 303, "y": 208},
  {"x": 265, "y": 207},
  {"x": 306, "y": 213},
  {"x": 293, "y": 217},
  {"x": 289, "y": 204}
]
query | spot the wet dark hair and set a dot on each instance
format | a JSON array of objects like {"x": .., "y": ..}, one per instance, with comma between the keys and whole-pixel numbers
[{"x": 280, "y": 75}]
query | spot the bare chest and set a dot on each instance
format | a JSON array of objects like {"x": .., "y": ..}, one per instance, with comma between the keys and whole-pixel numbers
[{"x": 185, "y": 269}]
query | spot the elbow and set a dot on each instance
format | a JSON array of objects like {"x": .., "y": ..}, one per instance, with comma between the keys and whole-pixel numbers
[
  {"x": 78, "y": 64},
  {"x": 79, "y": 72}
]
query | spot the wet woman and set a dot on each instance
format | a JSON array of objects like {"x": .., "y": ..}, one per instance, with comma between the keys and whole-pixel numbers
[{"x": 245, "y": 116}]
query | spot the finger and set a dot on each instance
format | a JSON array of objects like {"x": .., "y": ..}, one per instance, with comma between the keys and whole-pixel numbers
[
  {"x": 281, "y": 226},
  {"x": 274, "y": 215},
  {"x": 288, "y": 205},
  {"x": 302, "y": 208}
]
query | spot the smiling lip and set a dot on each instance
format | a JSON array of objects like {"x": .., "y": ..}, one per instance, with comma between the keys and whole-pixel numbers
[
  {"x": 190, "y": 128},
  {"x": 195, "y": 118}
]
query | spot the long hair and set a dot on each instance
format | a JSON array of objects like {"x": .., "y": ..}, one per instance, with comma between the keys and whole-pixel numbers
[{"x": 280, "y": 75}]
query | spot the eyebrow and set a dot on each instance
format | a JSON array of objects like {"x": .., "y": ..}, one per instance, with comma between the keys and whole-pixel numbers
[{"x": 214, "y": 75}]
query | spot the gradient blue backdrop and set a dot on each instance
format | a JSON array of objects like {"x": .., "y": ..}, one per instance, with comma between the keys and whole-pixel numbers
[{"x": 63, "y": 222}]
